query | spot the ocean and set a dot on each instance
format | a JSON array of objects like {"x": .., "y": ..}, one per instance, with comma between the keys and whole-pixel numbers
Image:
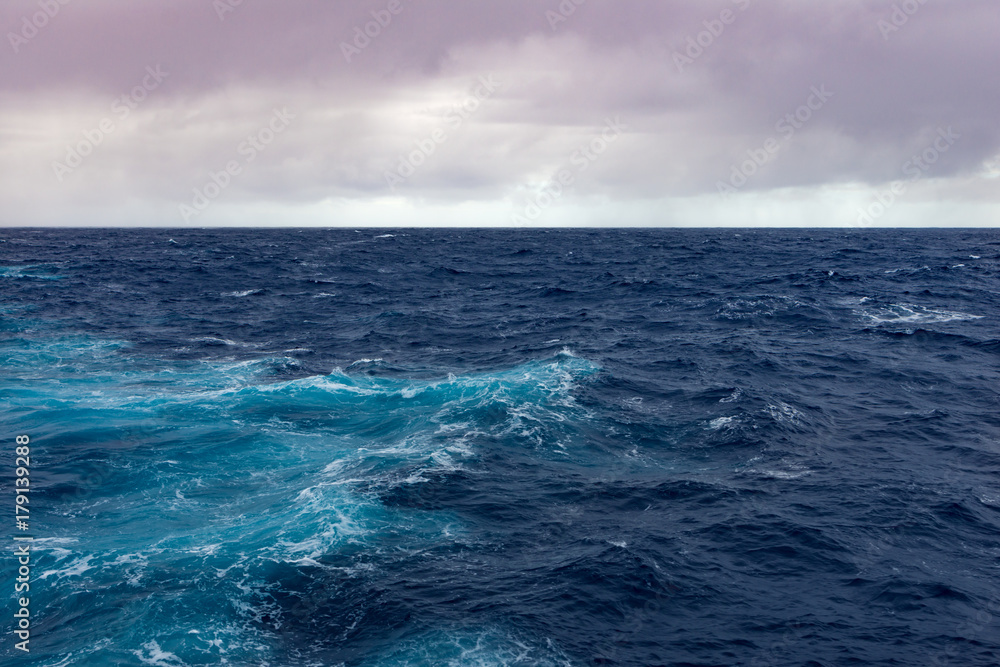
[{"x": 389, "y": 448}]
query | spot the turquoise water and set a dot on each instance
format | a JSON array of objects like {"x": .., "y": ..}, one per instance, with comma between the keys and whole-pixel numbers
[{"x": 306, "y": 448}]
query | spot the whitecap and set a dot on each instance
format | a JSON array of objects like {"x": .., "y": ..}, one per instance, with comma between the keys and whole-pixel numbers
[
  {"x": 410, "y": 392},
  {"x": 912, "y": 314},
  {"x": 366, "y": 361},
  {"x": 74, "y": 569},
  {"x": 59, "y": 553},
  {"x": 990, "y": 500},
  {"x": 62, "y": 663},
  {"x": 784, "y": 474},
  {"x": 214, "y": 340},
  {"x": 783, "y": 469},
  {"x": 718, "y": 423},
  {"x": 157, "y": 656},
  {"x": 750, "y": 308},
  {"x": 782, "y": 412},
  {"x": 25, "y": 271},
  {"x": 732, "y": 398},
  {"x": 54, "y": 540},
  {"x": 243, "y": 293}
]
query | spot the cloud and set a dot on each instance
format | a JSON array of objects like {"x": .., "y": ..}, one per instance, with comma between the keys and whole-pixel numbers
[{"x": 702, "y": 86}]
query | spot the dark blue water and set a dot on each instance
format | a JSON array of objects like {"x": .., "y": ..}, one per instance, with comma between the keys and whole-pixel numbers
[{"x": 493, "y": 448}]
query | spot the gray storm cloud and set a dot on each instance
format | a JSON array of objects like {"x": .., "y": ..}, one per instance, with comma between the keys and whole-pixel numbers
[{"x": 388, "y": 120}]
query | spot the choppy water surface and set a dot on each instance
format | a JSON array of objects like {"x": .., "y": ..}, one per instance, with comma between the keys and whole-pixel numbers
[{"x": 507, "y": 448}]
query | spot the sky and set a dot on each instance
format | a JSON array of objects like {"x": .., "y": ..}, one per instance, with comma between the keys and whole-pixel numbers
[{"x": 533, "y": 113}]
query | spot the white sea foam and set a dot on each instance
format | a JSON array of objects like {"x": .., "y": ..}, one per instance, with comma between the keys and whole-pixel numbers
[
  {"x": 990, "y": 500},
  {"x": 732, "y": 398},
  {"x": 74, "y": 569},
  {"x": 45, "y": 541},
  {"x": 248, "y": 292},
  {"x": 130, "y": 567},
  {"x": 718, "y": 423},
  {"x": 749, "y": 308},
  {"x": 152, "y": 654},
  {"x": 366, "y": 361},
  {"x": 912, "y": 314},
  {"x": 784, "y": 474},
  {"x": 213, "y": 339},
  {"x": 782, "y": 412},
  {"x": 25, "y": 271}
]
